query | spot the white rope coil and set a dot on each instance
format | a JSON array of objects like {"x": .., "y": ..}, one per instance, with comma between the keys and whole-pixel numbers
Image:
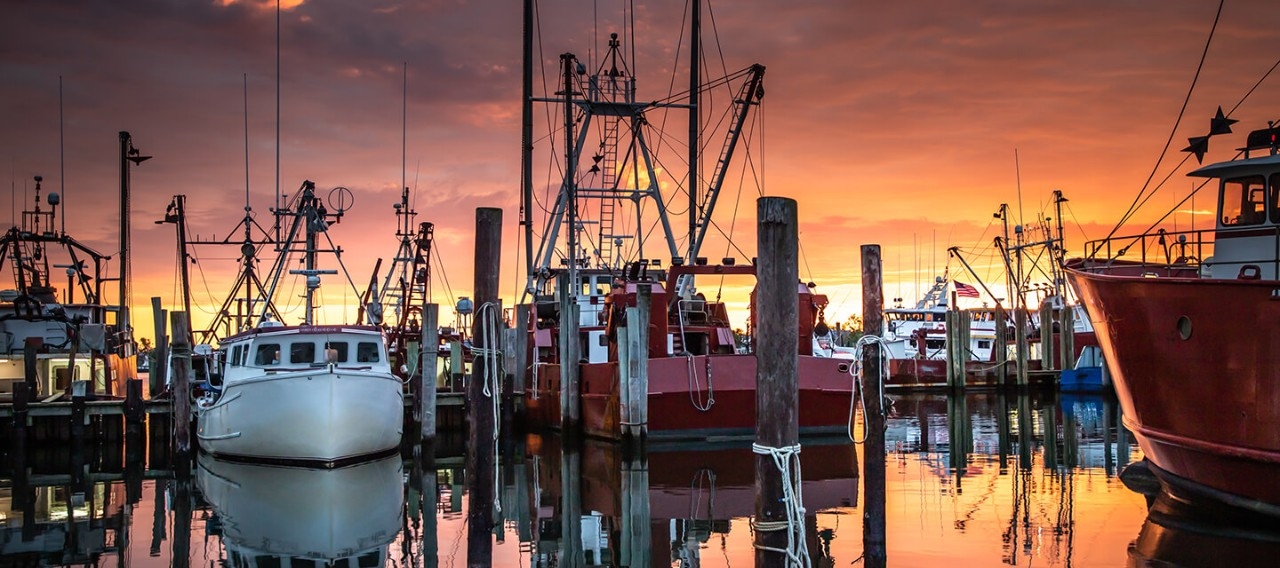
[
  {"x": 859, "y": 383},
  {"x": 787, "y": 460}
]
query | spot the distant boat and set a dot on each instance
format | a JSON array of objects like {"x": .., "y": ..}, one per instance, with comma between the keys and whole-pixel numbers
[
  {"x": 1189, "y": 331},
  {"x": 73, "y": 334},
  {"x": 302, "y": 394}
]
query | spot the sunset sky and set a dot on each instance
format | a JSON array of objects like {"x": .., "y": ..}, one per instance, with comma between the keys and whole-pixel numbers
[{"x": 894, "y": 123}]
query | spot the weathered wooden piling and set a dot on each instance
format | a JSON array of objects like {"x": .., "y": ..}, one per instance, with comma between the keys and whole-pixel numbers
[
  {"x": 571, "y": 504},
  {"x": 135, "y": 411},
  {"x": 873, "y": 511},
  {"x": 570, "y": 394},
  {"x": 1000, "y": 349},
  {"x": 181, "y": 382},
  {"x": 482, "y": 393},
  {"x": 1047, "y": 360},
  {"x": 520, "y": 347},
  {"x": 160, "y": 353},
  {"x": 428, "y": 361},
  {"x": 1067, "y": 338},
  {"x": 634, "y": 368},
  {"x": 30, "y": 350},
  {"x": 637, "y": 537},
  {"x": 777, "y": 432},
  {"x": 79, "y": 396},
  {"x": 425, "y": 477},
  {"x": 1020, "y": 337},
  {"x": 181, "y": 551}
]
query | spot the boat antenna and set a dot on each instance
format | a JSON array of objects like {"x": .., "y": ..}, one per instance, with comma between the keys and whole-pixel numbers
[
  {"x": 277, "y": 195},
  {"x": 245, "y": 77},
  {"x": 404, "y": 125},
  {"x": 62, "y": 158}
]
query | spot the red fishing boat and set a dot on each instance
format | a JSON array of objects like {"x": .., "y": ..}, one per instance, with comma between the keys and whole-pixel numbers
[
  {"x": 1189, "y": 333},
  {"x": 608, "y": 239}
]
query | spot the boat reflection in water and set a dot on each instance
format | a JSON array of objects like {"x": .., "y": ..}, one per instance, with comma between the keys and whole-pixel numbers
[
  {"x": 664, "y": 506},
  {"x": 272, "y": 516},
  {"x": 1176, "y": 534}
]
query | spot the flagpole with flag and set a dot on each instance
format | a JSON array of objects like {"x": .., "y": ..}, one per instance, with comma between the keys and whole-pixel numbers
[{"x": 964, "y": 290}]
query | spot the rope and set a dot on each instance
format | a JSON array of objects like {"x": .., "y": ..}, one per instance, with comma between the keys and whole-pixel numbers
[
  {"x": 786, "y": 459},
  {"x": 855, "y": 371},
  {"x": 492, "y": 354}
]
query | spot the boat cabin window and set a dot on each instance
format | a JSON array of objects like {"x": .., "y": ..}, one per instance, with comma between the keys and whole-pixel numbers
[
  {"x": 302, "y": 352},
  {"x": 268, "y": 354},
  {"x": 340, "y": 350},
  {"x": 236, "y": 353},
  {"x": 1243, "y": 201},
  {"x": 367, "y": 352},
  {"x": 595, "y": 285}
]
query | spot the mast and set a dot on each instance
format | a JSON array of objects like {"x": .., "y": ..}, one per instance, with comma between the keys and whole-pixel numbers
[
  {"x": 695, "y": 87},
  {"x": 571, "y": 167},
  {"x": 526, "y": 140}
]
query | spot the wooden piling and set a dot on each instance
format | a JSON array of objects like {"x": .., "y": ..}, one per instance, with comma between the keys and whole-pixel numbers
[
  {"x": 181, "y": 383},
  {"x": 637, "y": 538},
  {"x": 79, "y": 396},
  {"x": 481, "y": 413},
  {"x": 1067, "y": 338},
  {"x": 425, "y": 467},
  {"x": 777, "y": 431},
  {"x": 135, "y": 412},
  {"x": 520, "y": 345},
  {"x": 1047, "y": 359},
  {"x": 873, "y": 512},
  {"x": 428, "y": 361},
  {"x": 1020, "y": 335},
  {"x": 30, "y": 351},
  {"x": 635, "y": 391},
  {"x": 160, "y": 353},
  {"x": 1000, "y": 349},
  {"x": 181, "y": 550},
  {"x": 570, "y": 404}
]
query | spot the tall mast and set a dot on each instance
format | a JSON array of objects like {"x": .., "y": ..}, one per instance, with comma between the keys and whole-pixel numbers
[
  {"x": 526, "y": 139},
  {"x": 695, "y": 85},
  {"x": 571, "y": 167}
]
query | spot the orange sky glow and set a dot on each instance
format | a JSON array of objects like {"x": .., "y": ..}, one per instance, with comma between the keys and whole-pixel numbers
[{"x": 890, "y": 123}]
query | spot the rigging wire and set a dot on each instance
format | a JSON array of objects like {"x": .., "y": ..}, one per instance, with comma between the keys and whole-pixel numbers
[{"x": 1173, "y": 131}]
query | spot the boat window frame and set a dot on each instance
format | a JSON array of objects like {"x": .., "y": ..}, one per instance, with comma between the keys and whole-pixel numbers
[
  {"x": 297, "y": 358},
  {"x": 1245, "y": 188},
  {"x": 1273, "y": 212},
  {"x": 262, "y": 348},
  {"x": 343, "y": 353},
  {"x": 362, "y": 353}
]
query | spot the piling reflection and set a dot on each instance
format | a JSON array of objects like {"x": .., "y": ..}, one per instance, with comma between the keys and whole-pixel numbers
[
  {"x": 598, "y": 505},
  {"x": 275, "y": 516}
]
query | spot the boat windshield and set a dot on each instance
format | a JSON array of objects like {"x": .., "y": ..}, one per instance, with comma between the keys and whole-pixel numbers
[{"x": 1244, "y": 201}]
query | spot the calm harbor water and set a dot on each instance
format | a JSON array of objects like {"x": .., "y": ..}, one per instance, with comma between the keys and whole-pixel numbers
[{"x": 983, "y": 480}]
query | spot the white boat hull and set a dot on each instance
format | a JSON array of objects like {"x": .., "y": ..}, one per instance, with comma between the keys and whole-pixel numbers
[{"x": 318, "y": 416}]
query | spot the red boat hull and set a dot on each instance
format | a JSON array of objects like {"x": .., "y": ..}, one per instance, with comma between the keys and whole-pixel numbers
[
  {"x": 1196, "y": 370},
  {"x": 699, "y": 397}
]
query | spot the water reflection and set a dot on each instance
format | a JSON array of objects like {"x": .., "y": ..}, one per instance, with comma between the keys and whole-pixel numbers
[
  {"x": 976, "y": 480},
  {"x": 276, "y": 516}
]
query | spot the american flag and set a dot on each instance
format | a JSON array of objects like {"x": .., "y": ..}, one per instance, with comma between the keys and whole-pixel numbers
[{"x": 966, "y": 291}]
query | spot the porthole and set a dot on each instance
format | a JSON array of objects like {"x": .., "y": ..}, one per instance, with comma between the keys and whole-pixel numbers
[{"x": 1184, "y": 327}]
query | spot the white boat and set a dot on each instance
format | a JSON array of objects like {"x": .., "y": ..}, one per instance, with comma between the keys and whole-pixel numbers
[
  {"x": 280, "y": 516},
  {"x": 306, "y": 394},
  {"x": 319, "y": 394}
]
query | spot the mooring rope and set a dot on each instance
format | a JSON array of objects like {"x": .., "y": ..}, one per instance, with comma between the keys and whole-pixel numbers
[
  {"x": 786, "y": 459},
  {"x": 492, "y": 353},
  {"x": 695, "y": 389},
  {"x": 855, "y": 371}
]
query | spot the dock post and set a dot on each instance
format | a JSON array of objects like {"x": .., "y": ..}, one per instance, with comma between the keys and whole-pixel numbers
[
  {"x": 429, "y": 362},
  {"x": 1067, "y": 338},
  {"x": 874, "y": 543},
  {"x": 777, "y": 431},
  {"x": 135, "y": 411},
  {"x": 952, "y": 322},
  {"x": 181, "y": 350},
  {"x": 21, "y": 399},
  {"x": 79, "y": 395},
  {"x": 30, "y": 351},
  {"x": 1000, "y": 349},
  {"x": 484, "y": 388},
  {"x": 159, "y": 367},
  {"x": 520, "y": 348},
  {"x": 568, "y": 344},
  {"x": 1046, "y": 336},
  {"x": 635, "y": 414},
  {"x": 1020, "y": 335}
]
